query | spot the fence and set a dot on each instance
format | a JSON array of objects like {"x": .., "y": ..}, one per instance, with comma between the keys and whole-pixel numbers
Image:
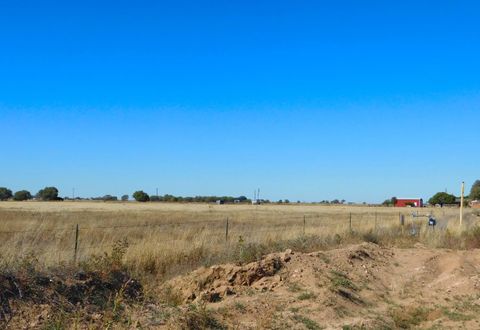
[{"x": 72, "y": 242}]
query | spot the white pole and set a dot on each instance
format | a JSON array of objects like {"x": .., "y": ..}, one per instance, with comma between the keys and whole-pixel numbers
[{"x": 461, "y": 204}]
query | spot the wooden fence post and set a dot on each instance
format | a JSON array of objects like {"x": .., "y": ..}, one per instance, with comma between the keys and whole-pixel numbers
[
  {"x": 375, "y": 220},
  {"x": 304, "y": 225},
  {"x": 76, "y": 245},
  {"x": 350, "y": 221},
  {"x": 226, "y": 231}
]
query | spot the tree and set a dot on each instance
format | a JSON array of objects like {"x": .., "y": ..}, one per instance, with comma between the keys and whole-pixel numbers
[
  {"x": 125, "y": 198},
  {"x": 475, "y": 191},
  {"x": 48, "y": 194},
  {"x": 390, "y": 202},
  {"x": 442, "y": 198},
  {"x": 5, "y": 194},
  {"x": 141, "y": 196},
  {"x": 22, "y": 195}
]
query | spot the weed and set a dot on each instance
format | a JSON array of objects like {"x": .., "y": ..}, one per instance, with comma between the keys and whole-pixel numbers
[
  {"x": 294, "y": 287},
  {"x": 240, "y": 307},
  {"x": 371, "y": 237},
  {"x": 306, "y": 296},
  {"x": 406, "y": 318},
  {"x": 308, "y": 323},
  {"x": 456, "y": 316},
  {"x": 339, "y": 279},
  {"x": 198, "y": 317}
]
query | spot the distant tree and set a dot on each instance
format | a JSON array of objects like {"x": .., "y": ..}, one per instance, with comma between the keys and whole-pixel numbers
[
  {"x": 335, "y": 201},
  {"x": 155, "y": 198},
  {"x": 125, "y": 198},
  {"x": 442, "y": 198},
  {"x": 109, "y": 198},
  {"x": 48, "y": 194},
  {"x": 390, "y": 202},
  {"x": 475, "y": 191},
  {"x": 286, "y": 201},
  {"x": 394, "y": 200},
  {"x": 22, "y": 195},
  {"x": 141, "y": 196},
  {"x": 5, "y": 194}
]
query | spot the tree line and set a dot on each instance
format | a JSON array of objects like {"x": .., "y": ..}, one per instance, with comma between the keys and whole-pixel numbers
[
  {"x": 45, "y": 194},
  {"x": 444, "y": 198},
  {"x": 51, "y": 194}
]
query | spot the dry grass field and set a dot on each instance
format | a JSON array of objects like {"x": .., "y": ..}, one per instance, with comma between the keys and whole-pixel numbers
[
  {"x": 190, "y": 234},
  {"x": 156, "y": 242}
]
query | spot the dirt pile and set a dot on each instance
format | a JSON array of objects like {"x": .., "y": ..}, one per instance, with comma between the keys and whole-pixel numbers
[{"x": 359, "y": 287}]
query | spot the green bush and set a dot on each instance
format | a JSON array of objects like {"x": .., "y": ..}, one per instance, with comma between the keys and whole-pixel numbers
[
  {"x": 442, "y": 198},
  {"x": 22, "y": 195},
  {"x": 475, "y": 191},
  {"x": 48, "y": 194},
  {"x": 5, "y": 194},
  {"x": 141, "y": 196}
]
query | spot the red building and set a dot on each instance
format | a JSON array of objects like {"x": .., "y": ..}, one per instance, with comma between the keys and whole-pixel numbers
[{"x": 412, "y": 202}]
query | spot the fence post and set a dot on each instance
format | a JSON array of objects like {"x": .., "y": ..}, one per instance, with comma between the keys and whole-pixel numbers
[
  {"x": 76, "y": 245},
  {"x": 375, "y": 220},
  {"x": 303, "y": 225},
  {"x": 226, "y": 231},
  {"x": 350, "y": 221}
]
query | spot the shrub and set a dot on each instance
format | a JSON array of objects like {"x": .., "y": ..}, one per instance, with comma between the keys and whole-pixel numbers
[
  {"x": 22, "y": 195},
  {"x": 475, "y": 191},
  {"x": 5, "y": 194},
  {"x": 48, "y": 194},
  {"x": 442, "y": 198},
  {"x": 125, "y": 198},
  {"x": 141, "y": 196}
]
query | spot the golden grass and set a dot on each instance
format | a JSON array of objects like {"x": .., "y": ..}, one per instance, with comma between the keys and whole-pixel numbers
[{"x": 167, "y": 238}]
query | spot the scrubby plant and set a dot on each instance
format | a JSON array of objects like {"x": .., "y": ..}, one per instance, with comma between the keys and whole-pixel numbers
[
  {"x": 141, "y": 196},
  {"x": 48, "y": 194},
  {"x": 5, "y": 194},
  {"x": 22, "y": 195}
]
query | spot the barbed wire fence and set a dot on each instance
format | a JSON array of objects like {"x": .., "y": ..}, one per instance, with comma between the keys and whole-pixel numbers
[{"x": 225, "y": 228}]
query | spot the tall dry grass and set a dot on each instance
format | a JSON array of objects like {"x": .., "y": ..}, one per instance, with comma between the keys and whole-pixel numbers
[{"x": 167, "y": 239}]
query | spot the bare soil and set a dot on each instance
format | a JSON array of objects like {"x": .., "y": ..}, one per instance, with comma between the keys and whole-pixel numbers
[
  {"x": 364, "y": 286},
  {"x": 359, "y": 287}
]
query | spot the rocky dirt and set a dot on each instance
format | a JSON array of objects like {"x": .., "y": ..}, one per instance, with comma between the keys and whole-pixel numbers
[{"x": 360, "y": 287}]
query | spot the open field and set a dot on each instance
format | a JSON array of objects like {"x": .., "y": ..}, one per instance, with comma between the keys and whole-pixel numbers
[
  {"x": 161, "y": 230},
  {"x": 160, "y": 244}
]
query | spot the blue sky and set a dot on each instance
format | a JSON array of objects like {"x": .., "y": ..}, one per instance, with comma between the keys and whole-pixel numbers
[{"x": 308, "y": 100}]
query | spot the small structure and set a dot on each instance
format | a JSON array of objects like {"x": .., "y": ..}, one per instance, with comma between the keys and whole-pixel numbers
[
  {"x": 475, "y": 204},
  {"x": 409, "y": 202},
  {"x": 220, "y": 201}
]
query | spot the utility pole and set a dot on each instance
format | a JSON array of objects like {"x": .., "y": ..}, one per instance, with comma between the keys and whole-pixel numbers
[
  {"x": 461, "y": 204},
  {"x": 157, "y": 192},
  {"x": 73, "y": 193}
]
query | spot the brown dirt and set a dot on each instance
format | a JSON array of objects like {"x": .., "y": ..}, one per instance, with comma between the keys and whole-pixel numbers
[{"x": 361, "y": 286}]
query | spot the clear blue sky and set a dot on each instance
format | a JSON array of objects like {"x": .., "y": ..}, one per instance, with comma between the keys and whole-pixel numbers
[{"x": 308, "y": 100}]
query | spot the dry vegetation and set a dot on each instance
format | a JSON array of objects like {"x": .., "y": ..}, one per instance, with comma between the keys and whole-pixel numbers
[{"x": 154, "y": 242}]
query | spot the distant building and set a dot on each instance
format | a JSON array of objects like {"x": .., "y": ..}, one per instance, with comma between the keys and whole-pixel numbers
[
  {"x": 409, "y": 202},
  {"x": 220, "y": 201},
  {"x": 475, "y": 204}
]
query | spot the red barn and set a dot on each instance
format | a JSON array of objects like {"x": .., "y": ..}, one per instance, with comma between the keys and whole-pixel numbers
[{"x": 412, "y": 202}]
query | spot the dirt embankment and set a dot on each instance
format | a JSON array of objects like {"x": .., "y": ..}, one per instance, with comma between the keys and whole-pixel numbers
[{"x": 362, "y": 286}]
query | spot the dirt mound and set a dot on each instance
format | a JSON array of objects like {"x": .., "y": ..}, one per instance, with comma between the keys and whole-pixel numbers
[{"x": 362, "y": 286}]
